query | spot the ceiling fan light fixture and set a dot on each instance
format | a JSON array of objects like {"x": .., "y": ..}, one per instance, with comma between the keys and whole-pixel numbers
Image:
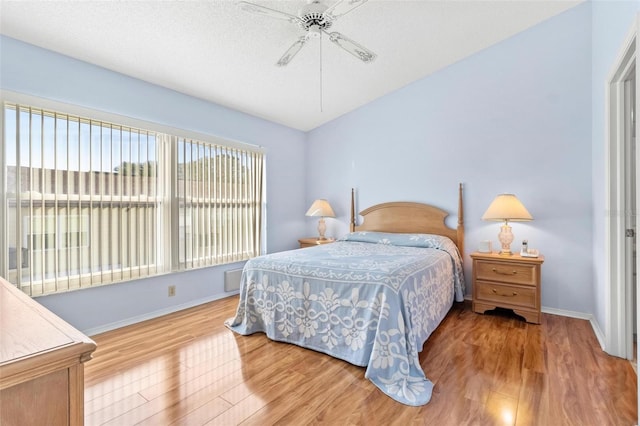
[
  {"x": 313, "y": 15},
  {"x": 313, "y": 9},
  {"x": 314, "y": 31},
  {"x": 316, "y": 18}
]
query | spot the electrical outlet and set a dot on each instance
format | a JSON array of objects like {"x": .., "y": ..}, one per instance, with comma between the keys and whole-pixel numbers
[{"x": 172, "y": 290}]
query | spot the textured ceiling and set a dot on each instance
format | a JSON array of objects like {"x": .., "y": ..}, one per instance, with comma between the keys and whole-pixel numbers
[{"x": 215, "y": 51}]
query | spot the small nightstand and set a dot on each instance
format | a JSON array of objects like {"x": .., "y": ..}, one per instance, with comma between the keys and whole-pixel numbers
[
  {"x": 314, "y": 241},
  {"x": 511, "y": 282}
]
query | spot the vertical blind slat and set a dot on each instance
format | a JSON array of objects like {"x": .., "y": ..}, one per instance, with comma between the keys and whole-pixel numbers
[
  {"x": 92, "y": 217},
  {"x": 218, "y": 199},
  {"x": 41, "y": 217},
  {"x": 18, "y": 183},
  {"x": 67, "y": 219},
  {"x": 80, "y": 213},
  {"x": 55, "y": 190},
  {"x": 30, "y": 170}
]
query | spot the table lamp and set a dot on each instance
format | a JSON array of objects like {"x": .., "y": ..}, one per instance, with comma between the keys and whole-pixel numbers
[
  {"x": 505, "y": 208},
  {"x": 321, "y": 208}
]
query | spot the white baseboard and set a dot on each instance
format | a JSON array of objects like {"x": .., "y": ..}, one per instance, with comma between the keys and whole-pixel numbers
[
  {"x": 154, "y": 314},
  {"x": 565, "y": 313}
]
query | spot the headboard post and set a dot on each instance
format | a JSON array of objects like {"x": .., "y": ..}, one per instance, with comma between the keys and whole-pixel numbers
[
  {"x": 460, "y": 230},
  {"x": 352, "y": 224}
]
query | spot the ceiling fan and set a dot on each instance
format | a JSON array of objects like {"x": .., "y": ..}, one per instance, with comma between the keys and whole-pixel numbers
[{"x": 316, "y": 18}]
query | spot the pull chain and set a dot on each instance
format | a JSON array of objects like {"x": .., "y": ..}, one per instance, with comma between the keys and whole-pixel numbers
[{"x": 320, "y": 71}]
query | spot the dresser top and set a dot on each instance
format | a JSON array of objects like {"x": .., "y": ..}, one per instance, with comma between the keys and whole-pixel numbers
[
  {"x": 515, "y": 257},
  {"x": 29, "y": 331}
]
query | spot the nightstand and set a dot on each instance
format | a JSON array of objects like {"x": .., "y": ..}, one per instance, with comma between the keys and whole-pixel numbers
[
  {"x": 314, "y": 241},
  {"x": 511, "y": 282}
]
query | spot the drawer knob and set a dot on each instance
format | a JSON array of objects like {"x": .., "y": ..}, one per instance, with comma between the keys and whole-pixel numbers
[
  {"x": 504, "y": 273},
  {"x": 514, "y": 293}
]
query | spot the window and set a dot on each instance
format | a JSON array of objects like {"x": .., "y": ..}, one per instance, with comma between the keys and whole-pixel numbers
[
  {"x": 219, "y": 195},
  {"x": 89, "y": 202}
]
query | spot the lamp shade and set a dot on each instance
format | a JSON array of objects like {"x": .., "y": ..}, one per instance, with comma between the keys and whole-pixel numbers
[
  {"x": 507, "y": 208},
  {"x": 321, "y": 208}
]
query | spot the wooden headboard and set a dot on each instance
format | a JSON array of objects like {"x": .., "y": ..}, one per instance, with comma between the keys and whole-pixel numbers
[{"x": 408, "y": 217}]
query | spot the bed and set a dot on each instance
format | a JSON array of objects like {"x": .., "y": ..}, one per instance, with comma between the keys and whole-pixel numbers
[{"x": 372, "y": 298}]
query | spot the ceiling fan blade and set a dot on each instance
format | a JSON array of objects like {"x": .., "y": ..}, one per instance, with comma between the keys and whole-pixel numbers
[
  {"x": 291, "y": 52},
  {"x": 265, "y": 11},
  {"x": 342, "y": 7},
  {"x": 357, "y": 50}
]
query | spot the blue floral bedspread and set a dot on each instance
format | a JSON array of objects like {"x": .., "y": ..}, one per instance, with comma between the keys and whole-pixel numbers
[{"x": 371, "y": 299}]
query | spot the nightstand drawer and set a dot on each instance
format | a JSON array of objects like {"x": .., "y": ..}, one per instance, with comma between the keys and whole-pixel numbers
[
  {"x": 516, "y": 273},
  {"x": 502, "y": 294}
]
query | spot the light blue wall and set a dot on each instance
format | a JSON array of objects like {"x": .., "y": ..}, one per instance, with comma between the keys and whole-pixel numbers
[
  {"x": 611, "y": 24},
  {"x": 38, "y": 72},
  {"x": 512, "y": 118}
]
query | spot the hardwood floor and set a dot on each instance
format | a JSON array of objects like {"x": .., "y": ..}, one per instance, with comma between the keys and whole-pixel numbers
[{"x": 187, "y": 368}]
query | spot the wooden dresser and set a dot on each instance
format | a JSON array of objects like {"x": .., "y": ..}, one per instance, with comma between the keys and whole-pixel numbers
[
  {"x": 511, "y": 282},
  {"x": 41, "y": 364}
]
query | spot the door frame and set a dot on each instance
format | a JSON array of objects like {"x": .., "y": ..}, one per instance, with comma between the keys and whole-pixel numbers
[{"x": 619, "y": 326}]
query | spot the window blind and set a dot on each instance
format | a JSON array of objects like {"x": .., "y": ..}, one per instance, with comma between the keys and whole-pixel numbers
[
  {"x": 219, "y": 191},
  {"x": 89, "y": 202},
  {"x": 83, "y": 201}
]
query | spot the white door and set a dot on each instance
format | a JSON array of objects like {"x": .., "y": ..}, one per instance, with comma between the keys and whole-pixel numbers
[{"x": 631, "y": 178}]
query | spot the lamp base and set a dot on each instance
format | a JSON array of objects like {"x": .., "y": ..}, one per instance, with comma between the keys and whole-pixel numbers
[
  {"x": 322, "y": 228},
  {"x": 506, "y": 238}
]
